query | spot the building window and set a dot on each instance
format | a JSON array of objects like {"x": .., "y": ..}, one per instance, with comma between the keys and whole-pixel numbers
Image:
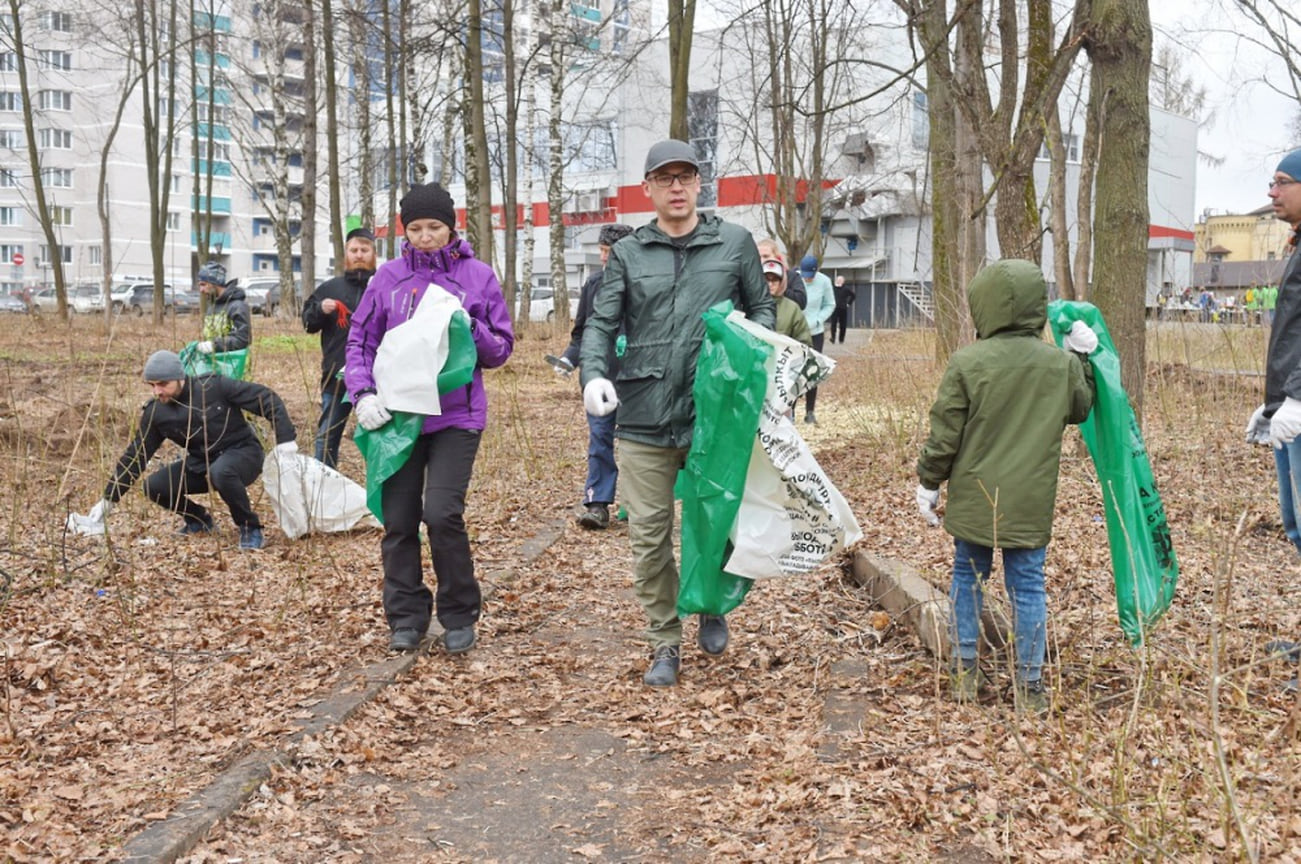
[
  {"x": 9, "y": 250},
  {"x": 59, "y": 21},
  {"x": 8, "y": 61},
  {"x": 11, "y": 138},
  {"x": 60, "y": 215},
  {"x": 702, "y": 130},
  {"x": 1070, "y": 142},
  {"x": 65, "y": 252},
  {"x": 54, "y": 60},
  {"x": 921, "y": 120},
  {"x": 11, "y": 100},
  {"x": 57, "y": 178},
  {"x": 55, "y": 139},
  {"x": 591, "y": 146},
  {"x": 54, "y": 100},
  {"x": 8, "y": 178},
  {"x": 94, "y": 255},
  {"x": 173, "y": 221},
  {"x": 11, "y": 216}
]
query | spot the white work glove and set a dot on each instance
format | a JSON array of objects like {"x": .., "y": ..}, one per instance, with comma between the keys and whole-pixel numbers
[
  {"x": 91, "y": 524},
  {"x": 1080, "y": 338},
  {"x": 1285, "y": 425},
  {"x": 371, "y": 413},
  {"x": 288, "y": 448},
  {"x": 205, "y": 347},
  {"x": 599, "y": 397},
  {"x": 927, "y": 501},
  {"x": 1258, "y": 427}
]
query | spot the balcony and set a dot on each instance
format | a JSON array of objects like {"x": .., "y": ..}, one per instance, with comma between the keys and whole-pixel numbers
[
  {"x": 219, "y": 205},
  {"x": 215, "y": 239}
]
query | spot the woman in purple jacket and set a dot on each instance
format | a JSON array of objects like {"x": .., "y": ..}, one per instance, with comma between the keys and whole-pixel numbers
[{"x": 431, "y": 486}]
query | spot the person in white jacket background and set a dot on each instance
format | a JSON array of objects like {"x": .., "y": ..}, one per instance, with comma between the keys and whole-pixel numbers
[{"x": 821, "y": 305}]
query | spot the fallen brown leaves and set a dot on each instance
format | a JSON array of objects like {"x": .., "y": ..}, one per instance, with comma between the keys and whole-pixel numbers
[{"x": 137, "y": 669}]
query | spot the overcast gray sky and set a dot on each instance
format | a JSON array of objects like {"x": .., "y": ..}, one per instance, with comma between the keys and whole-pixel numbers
[{"x": 1250, "y": 129}]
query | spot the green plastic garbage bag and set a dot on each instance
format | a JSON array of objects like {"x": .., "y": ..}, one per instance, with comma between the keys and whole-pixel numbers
[
  {"x": 385, "y": 450},
  {"x": 462, "y": 356},
  {"x": 1142, "y": 554},
  {"x": 232, "y": 364},
  {"x": 731, "y": 382}
]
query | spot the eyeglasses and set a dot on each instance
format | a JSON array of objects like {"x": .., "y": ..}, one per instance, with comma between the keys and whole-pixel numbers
[
  {"x": 664, "y": 181},
  {"x": 1279, "y": 184}
]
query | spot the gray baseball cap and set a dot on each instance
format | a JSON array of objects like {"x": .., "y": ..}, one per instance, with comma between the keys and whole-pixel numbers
[{"x": 669, "y": 151}]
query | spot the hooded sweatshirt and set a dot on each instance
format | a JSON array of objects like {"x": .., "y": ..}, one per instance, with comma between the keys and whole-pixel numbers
[
  {"x": 997, "y": 422},
  {"x": 227, "y": 324},
  {"x": 391, "y": 299}
]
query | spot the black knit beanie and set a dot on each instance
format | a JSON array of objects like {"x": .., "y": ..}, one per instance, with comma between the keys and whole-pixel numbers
[{"x": 429, "y": 201}]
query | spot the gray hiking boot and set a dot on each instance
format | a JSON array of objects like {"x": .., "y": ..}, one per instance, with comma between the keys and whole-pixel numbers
[
  {"x": 664, "y": 667},
  {"x": 964, "y": 682},
  {"x": 1031, "y": 698}
]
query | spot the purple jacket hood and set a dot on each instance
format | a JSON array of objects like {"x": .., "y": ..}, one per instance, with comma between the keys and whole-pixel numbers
[{"x": 392, "y": 297}]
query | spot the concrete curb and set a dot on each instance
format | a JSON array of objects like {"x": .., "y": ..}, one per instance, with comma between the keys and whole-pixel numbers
[
  {"x": 909, "y": 597},
  {"x": 190, "y": 821}
]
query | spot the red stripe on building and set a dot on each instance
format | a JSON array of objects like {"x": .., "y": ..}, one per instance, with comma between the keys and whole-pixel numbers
[{"x": 1162, "y": 231}]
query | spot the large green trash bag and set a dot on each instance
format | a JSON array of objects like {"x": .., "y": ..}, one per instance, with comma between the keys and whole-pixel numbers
[
  {"x": 462, "y": 356},
  {"x": 1142, "y": 554},
  {"x": 731, "y": 382},
  {"x": 385, "y": 450},
  {"x": 232, "y": 364}
]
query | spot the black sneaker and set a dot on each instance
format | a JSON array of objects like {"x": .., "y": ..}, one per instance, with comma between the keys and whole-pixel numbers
[
  {"x": 595, "y": 517},
  {"x": 195, "y": 526},
  {"x": 712, "y": 635},
  {"x": 458, "y": 640},
  {"x": 664, "y": 667},
  {"x": 810, "y": 418},
  {"x": 1284, "y": 650},
  {"x": 251, "y": 538},
  {"x": 405, "y": 639}
]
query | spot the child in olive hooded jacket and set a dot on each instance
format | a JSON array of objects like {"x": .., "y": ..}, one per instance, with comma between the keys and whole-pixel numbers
[{"x": 996, "y": 437}]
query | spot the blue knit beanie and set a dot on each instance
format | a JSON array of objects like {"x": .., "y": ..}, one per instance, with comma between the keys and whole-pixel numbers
[{"x": 1291, "y": 165}]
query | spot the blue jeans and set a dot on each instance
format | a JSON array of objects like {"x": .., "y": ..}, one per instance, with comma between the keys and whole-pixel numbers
[
  {"x": 602, "y": 473},
  {"x": 329, "y": 430},
  {"x": 1023, "y": 574},
  {"x": 1288, "y": 484}
]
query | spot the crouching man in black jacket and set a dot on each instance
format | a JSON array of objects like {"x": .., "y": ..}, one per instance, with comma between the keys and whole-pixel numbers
[{"x": 204, "y": 415}]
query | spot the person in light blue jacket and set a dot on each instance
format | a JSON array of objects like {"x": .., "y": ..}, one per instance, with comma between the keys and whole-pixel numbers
[{"x": 821, "y": 305}]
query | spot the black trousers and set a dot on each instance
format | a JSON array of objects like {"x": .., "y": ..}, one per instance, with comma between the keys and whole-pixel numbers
[
  {"x": 228, "y": 474},
  {"x": 430, "y": 488},
  {"x": 839, "y": 320},
  {"x": 811, "y": 398}
]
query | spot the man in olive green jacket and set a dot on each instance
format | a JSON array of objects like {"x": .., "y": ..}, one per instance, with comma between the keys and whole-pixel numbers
[
  {"x": 996, "y": 437},
  {"x": 658, "y": 283}
]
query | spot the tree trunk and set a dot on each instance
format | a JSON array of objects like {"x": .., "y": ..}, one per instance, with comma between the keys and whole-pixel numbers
[
  {"x": 682, "y": 23},
  {"x": 307, "y": 222},
  {"x": 478, "y": 174},
  {"x": 1120, "y": 46},
  {"x": 510, "y": 157},
  {"x": 332, "y": 134}
]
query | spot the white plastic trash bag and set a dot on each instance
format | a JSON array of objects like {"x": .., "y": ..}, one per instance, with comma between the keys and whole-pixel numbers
[
  {"x": 307, "y": 496},
  {"x": 792, "y": 518},
  {"x": 412, "y": 354}
]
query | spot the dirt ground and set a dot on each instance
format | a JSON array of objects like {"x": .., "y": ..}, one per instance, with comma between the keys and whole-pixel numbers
[{"x": 139, "y": 666}]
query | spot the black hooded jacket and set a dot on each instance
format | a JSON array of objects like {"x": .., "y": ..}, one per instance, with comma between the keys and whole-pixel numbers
[{"x": 346, "y": 290}]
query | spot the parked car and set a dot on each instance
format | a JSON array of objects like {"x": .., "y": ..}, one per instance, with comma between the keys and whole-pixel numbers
[
  {"x": 542, "y": 304},
  {"x": 120, "y": 294},
  {"x": 12, "y": 303},
  {"x": 45, "y": 300},
  {"x": 273, "y": 297},
  {"x": 255, "y": 293},
  {"x": 140, "y": 300},
  {"x": 86, "y": 298}
]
